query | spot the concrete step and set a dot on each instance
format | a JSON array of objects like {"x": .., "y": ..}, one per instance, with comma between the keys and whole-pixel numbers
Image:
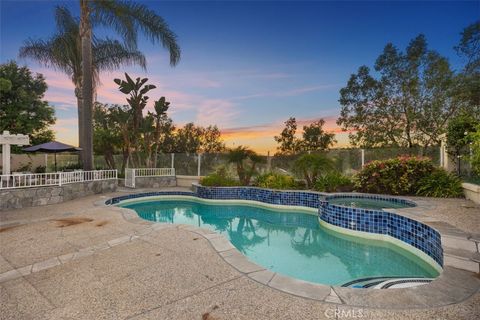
[
  {"x": 460, "y": 253},
  {"x": 461, "y": 243},
  {"x": 460, "y": 263}
]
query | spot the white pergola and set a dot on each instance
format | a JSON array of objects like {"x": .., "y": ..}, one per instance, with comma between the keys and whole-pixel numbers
[{"x": 6, "y": 140}]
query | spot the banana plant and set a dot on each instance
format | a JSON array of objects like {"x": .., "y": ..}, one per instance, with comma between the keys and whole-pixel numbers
[{"x": 138, "y": 99}]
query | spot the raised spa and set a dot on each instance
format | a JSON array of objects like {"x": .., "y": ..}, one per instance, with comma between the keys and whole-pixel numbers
[
  {"x": 369, "y": 202},
  {"x": 290, "y": 241}
]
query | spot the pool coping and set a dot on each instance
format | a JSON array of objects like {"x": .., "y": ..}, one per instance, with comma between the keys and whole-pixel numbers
[{"x": 452, "y": 286}]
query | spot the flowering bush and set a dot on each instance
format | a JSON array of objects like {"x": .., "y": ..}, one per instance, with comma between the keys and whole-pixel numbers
[{"x": 398, "y": 176}]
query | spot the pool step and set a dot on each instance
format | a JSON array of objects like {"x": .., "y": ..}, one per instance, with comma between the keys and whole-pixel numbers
[
  {"x": 402, "y": 283},
  {"x": 461, "y": 243},
  {"x": 386, "y": 282},
  {"x": 460, "y": 259}
]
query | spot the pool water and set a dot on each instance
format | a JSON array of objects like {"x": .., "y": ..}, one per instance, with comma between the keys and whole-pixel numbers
[
  {"x": 290, "y": 243},
  {"x": 366, "y": 203}
]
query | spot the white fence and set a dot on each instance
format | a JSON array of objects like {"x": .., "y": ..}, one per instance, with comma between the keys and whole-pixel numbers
[
  {"x": 28, "y": 180},
  {"x": 132, "y": 174}
]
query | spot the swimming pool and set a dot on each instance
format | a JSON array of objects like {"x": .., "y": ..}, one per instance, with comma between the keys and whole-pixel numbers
[{"x": 290, "y": 241}]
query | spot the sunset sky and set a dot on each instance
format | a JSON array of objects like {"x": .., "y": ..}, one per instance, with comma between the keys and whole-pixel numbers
[{"x": 248, "y": 66}]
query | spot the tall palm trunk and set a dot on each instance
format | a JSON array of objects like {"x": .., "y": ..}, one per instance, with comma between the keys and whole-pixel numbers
[
  {"x": 79, "y": 96},
  {"x": 87, "y": 90}
]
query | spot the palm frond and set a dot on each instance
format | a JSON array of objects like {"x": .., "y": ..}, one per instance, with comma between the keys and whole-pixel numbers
[
  {"x": 127, "y": 18},
  {"x": 107, "y": 13},
  {"x": 64, "y": 20},
  {"x": 110, "y": 54},
  {"x": 48, "y": 53}
]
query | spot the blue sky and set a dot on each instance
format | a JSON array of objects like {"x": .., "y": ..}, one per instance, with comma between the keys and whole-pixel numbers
[{"x": 248, "y": 66}]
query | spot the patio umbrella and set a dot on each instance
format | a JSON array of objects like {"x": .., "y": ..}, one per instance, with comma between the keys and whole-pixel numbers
[{"x": 52, "y": 147}]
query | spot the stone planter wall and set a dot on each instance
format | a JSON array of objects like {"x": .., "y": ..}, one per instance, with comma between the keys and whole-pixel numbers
[
  {"x": 187, "y": 181},
  {"x": 155, "y": 182},
  {"x": 472, "y": 192},
  {"x": 32, "y": 197}
]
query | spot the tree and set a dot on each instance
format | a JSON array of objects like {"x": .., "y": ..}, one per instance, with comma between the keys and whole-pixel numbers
[
  {"x": 458, "y": 135},
  {"x": 315, "y": 138},
  {"x": 127, "y": 19},
  {"x": 22, "y": 108},
  {"x": 469, "y": 47},
  {"x": 246, "y": 161},
  {"x": 122, "y": 117},
  {"x": 189, "y": 138},
  {"x": 107, "y": 136},
  {"x": 212, "y": 140},
  {"x": 289, "y": 144},
  {"x": 138, "y": 99},
  {"x": 163, "y": 128},
  {"x": 468, "y": 81},
  {"x": 409, "y": 104},
  {"x": 474, "y": 136},
  {"x": 63, "y": 52}
]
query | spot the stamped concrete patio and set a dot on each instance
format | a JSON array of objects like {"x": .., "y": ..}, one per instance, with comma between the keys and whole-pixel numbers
[{"x": 82, "y": 260}]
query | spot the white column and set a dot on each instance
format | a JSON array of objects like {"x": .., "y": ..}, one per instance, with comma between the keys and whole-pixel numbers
[
  {"x": 173, "y": 160},
  {"x": 7, "y": 139},
  {"x": 6, "y": 158},
  {"x": 199, "y": 164},
  {"x": 442, "y": 159},
  {"x": 363, "y": 157}
]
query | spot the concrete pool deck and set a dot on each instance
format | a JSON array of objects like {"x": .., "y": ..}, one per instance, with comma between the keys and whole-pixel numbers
[{"x": 82, "y": 260}]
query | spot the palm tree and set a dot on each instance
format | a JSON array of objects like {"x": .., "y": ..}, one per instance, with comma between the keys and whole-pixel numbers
[
  {"x": 63, "y": 52},
  {"x": 311, "y": 166},
  {"x": 246, "y": 161},
  {"x": 127, "y": 19}
]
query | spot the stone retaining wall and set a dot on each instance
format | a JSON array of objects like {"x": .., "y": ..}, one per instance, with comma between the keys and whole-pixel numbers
[
  {"x": 32, "y": 197},
  {"x": 472, "y": 192},
  {"x": 155, "y": 182}
]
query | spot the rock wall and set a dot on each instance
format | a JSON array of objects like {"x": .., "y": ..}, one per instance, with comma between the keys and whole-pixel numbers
[
  {"x": 32, "y": 197},
  {"x": 155, "y": 182},
  {"x": 472, "y": 192}
]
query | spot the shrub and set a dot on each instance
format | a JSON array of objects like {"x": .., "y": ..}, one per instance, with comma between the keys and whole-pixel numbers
[
  {"x": 398, "y": 176},
  {"x": 440, "y": 184},
  {"x": 216, "y": 180},
  {"x": 311, "y": 166},
  {"x": 275, "y": 181},
  {"x": 220, "y": 178},
  {"x": 25, "y": 167},
  {"x": 70, "y": 166},
  {"x": 475, "y": 150},
  {"x": 40, "y": 169},
  {"x": 334, "y": 181}
]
